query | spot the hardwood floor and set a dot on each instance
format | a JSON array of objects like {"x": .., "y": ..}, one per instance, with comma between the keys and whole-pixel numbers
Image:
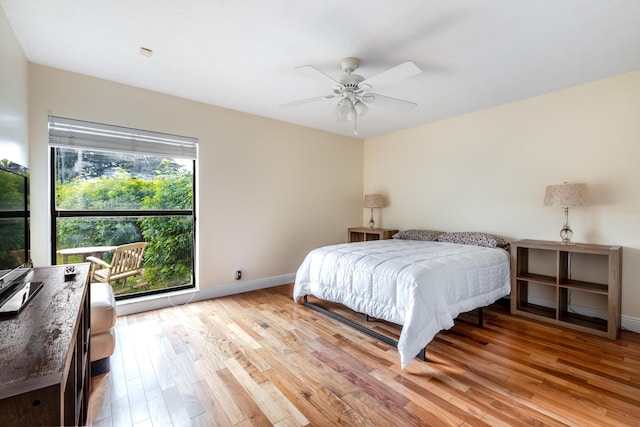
[{"x": 259, "y": 359}]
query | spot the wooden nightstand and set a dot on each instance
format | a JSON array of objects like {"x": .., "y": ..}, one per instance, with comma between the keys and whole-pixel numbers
[{"x": 363, "y": 234}]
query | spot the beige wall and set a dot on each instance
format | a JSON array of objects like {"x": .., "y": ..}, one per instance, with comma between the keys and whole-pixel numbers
[
  {"x": 487, "y": 171},
  {"x": 267, "y": 192},
  {"x": 14, "y": 141}
]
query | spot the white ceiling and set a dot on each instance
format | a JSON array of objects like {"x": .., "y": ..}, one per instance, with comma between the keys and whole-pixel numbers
[{"x": 242, "y": 54}]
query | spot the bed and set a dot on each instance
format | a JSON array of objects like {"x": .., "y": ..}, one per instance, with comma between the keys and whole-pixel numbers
[{"x": 422, "y": 284}]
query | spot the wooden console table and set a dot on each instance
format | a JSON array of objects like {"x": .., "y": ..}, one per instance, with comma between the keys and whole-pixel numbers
[
  {"x": 553, "y": 271},
  {"x": 45, "y": 374}
]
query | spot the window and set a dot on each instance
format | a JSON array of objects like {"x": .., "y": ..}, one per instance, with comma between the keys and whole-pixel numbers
[{"x": 114, "y": 185}]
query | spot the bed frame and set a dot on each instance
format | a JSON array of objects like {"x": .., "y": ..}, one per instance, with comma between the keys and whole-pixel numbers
[{"x": 421, "y": 355}]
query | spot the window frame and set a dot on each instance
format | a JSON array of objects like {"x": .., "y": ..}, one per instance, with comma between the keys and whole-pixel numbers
[{"x": 55, "y": 213}]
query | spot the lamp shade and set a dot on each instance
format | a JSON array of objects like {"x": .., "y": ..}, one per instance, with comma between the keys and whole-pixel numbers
[
  {"x": 565, "y": 195},
  {"x": 373, "y": 201}
]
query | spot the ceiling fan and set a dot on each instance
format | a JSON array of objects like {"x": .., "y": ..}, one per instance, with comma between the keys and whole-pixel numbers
[{"x": 354, "y": 92}]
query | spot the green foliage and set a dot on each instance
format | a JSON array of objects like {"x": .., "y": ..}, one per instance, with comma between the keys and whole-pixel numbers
[
  {"x": 170, "y": 252},
  {"x": 12, "y": 234},
  {"x": 11, "y": 192},
  {"x": 168, "y": 260},
  {"x": 120, "y": 192}
]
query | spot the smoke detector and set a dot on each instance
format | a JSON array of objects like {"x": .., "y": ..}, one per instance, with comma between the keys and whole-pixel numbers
[{"x": 146, "y": 52}]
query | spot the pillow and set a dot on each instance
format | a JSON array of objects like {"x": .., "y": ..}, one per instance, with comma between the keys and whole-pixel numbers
[
  {"x": 430, "y": 235},
  {"x": 475, "y": 239}
]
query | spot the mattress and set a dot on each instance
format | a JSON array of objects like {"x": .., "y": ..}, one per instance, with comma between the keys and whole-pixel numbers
[{"x": 421, "y": 285}]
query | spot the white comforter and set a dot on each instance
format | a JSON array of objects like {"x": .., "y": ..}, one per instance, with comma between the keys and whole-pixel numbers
[{"x": 418, "y": 284}]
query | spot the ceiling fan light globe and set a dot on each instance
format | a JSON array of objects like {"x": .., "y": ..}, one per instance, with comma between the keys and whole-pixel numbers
[
  {"x": 351, "y": 115},
  {"x": 361, "y": 108},
  {"x": 345, "y": 107},
  {"x": 341, "y": 118}
]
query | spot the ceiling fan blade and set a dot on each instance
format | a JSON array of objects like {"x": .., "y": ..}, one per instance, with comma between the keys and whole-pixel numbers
[
  {"x": 389, "y": 102},
  {"x": 306, "y": 101},
  {"x": 307, "y": 68},
  {"x": 392, "y": 75}
]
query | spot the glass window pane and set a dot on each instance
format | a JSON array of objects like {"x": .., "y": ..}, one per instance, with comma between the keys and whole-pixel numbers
[
  {"x": 88, "y": 180},
  {"x": 12, "y": 189},
  {"x": 12, "y": 243},
  {"x": 107, "y": 199},
  {"x": 167, "y": 261}
]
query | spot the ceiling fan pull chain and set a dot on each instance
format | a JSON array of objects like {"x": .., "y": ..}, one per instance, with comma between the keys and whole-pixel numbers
[{"x": 355, "y": 122}]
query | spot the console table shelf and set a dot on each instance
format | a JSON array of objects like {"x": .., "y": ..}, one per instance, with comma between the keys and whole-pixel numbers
[
  {"x": 44, "y": 353},
  {"x": 556, "y": 258},
  {"x": 364, "y": 234}
]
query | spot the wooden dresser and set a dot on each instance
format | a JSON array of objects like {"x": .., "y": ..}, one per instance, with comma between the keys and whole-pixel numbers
[{"x": 44, "y": 353}]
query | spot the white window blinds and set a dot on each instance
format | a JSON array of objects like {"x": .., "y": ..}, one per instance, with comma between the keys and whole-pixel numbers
[{"x": 79, "y": 134}]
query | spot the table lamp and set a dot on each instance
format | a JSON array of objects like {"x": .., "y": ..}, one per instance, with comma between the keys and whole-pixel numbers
[
  {"x": 563, "y": 196},
  {"x": 373, "y": 201}
]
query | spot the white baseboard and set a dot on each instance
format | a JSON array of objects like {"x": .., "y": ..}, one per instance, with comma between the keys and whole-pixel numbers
[
  {"x": 626, "y": 322},
  {"x": 158, "y": 301},
  {"x": 630, "y": 324}
]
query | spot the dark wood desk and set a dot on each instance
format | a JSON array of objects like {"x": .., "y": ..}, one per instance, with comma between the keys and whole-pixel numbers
[{"x": 44, "y": 353}]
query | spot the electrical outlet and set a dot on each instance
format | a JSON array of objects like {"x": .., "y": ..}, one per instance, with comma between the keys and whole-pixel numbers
[{"x": 238, "y": 274}]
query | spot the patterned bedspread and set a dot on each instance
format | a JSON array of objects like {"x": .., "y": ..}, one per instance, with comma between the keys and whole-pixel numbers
[{"x": 420, "y": 285}]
